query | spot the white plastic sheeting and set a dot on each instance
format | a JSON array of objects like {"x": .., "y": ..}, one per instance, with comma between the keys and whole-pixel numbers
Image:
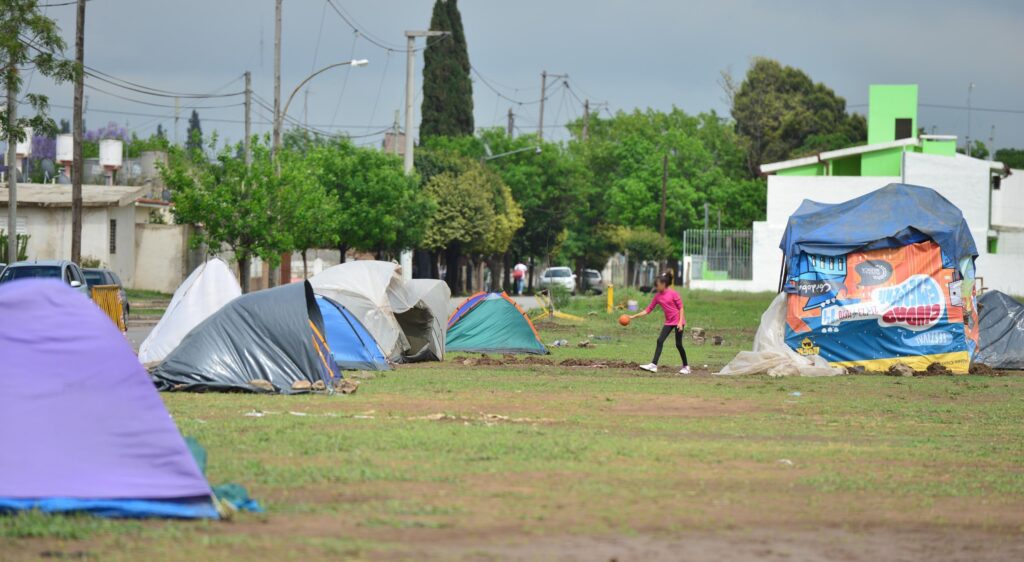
[
  {"x": 407, "y": 318},
  {"x": 205, "y": 291},
  {"x": 772, "y": 356}
]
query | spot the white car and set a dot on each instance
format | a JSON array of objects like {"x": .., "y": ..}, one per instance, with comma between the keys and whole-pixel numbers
[
  {"x": 558, "y": 277},
  {"x": 64, "y": 270}
]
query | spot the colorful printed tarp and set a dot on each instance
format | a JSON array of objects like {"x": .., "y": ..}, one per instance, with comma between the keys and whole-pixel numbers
[
  {"x": 894, "y": 294},
  {"x": 81, "y": 425}
]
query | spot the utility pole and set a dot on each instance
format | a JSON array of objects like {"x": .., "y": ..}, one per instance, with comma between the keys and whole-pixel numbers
[
  {"x": 664, "y": 191},
  {"x": 586, "y": 119},
  {"x": 177, "y": 114},
  {"x": 970, "y": 88},
  {"x": 77, "y": 169},
  {"x": 277, "y": 77},
  {"x": 12, "y": 178},
  {"x": 405, "y": 259},
  {"x": 247, "y": 142},
  {"x": 511, "y": 123},
  {"x": 394, "y": 135},
  {"x": 276, "y": 142},
  {"x": 305, "y": 108},
  {"x": 543, "y": 95},
  {"x": 991, "y": 143}
]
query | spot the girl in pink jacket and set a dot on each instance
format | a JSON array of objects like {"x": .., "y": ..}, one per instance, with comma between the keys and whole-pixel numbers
[{"x": 672, "y": 305}]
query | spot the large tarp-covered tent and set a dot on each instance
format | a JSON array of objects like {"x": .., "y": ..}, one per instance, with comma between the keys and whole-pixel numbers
[
  {"x": 492, "y": 323},
  {"x": 351, "y": 344},
  {"x": 274, "y": 335},
  {"x": 209, "y": 287},
  {"x": 885, "y": 278},
  {"x": 406, "y": 318},
  {"x": 1001, "y": 322},
  {"x": 81, "y": 425}
]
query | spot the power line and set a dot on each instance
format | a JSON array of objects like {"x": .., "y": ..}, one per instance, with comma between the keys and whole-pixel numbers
[
  {"x": 348, "y": 19},
  {"x": 955, "y": 107},
  {"x": 152, "y": 104},
  {"x": 147, "y": 90},
  {"x": 59, "y": 4}
]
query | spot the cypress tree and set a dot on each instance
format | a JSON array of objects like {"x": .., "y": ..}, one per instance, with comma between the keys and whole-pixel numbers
[{"x": 447, "y": 89}]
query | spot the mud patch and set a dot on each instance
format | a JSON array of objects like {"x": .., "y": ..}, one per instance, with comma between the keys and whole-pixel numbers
[{"x": 683, "y": 406}]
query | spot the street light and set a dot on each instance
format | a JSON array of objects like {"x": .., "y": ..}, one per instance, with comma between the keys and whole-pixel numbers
[{"x": 353, "y": 62}]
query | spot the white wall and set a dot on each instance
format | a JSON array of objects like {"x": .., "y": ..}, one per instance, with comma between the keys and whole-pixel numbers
[
  {"x": 1002, "y": 272},
  {"x": 161, "y": 252},
  {"x": 786, "y": 193},
  {"x": 964, "y": 181},
  {"x": 1008, "y": 202}
]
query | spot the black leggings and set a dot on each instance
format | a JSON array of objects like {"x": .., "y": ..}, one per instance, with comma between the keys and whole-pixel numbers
[{"x": 665, "y": 331}]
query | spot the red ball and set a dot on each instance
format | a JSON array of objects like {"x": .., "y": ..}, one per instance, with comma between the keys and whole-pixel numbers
[{"x": 624, "y": 320}]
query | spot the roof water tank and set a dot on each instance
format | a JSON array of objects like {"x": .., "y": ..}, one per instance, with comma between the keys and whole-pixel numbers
[
  {"x": 24, "y": 148},
  {"x": 111, "y": 153},
  {"x": 65, "y": 148}
]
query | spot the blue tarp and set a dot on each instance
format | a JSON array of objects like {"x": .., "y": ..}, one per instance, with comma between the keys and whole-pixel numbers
[
  {"x": 353, "y": 347},
  {"x": 891, "y": 217}
]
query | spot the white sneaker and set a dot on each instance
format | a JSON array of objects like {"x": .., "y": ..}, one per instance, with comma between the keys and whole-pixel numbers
[
  {"x": 650, "y": 367},
  {"x": 685, "y": 370}
]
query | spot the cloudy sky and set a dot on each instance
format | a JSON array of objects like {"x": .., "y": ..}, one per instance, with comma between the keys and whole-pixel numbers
[{"x": 637, "y": 53}]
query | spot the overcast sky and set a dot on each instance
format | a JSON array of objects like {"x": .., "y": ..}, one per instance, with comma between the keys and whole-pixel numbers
[{"x": 638, "y": 53}]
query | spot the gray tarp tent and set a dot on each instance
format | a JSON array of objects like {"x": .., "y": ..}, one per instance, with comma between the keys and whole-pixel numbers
[
  {"x": 273, "y": 335},
  {"x": 1001, "y": 331},
  {"x": 407, "y": 318}
]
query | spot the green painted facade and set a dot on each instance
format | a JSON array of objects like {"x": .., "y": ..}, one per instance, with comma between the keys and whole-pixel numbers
[
  {"x": 892, "y": 116},
  {"x": 886, "y": 104}
]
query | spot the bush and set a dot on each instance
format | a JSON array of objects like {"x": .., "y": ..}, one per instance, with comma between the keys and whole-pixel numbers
[
  {"x": 22, "y": 246},
  {"x": 560, "y": 296}
]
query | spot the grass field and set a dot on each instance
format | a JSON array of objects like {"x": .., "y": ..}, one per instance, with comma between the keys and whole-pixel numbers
[{"x": 546, "y": 462}]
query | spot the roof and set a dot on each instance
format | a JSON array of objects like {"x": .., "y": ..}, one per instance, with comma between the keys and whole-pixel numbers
[
  {"x": 54, "y": 263},
  {"x": 56, "y": 195},
  {"x": 833, "y": 154}
]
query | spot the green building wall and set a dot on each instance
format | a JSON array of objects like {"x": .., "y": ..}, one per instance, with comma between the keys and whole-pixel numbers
[{"x": 886, "y": 104}]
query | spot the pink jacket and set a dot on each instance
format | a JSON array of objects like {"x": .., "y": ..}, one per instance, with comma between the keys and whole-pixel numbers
[{"x": 671, "y": 304}]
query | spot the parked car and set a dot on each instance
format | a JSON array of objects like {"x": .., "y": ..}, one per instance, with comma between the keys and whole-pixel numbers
[
  {"x": 95, "y": 276},
  {"x": 558, "y": 277},
  {"x": 65, "y": 270},
  {"x": 592, "y": 281}
]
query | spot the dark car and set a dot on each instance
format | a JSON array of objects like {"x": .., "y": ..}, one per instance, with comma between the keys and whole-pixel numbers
[{"x": 94, "y": 276}]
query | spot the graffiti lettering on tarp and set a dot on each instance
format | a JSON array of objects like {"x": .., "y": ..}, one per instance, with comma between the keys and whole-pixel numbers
[
  {"x": 916, "y": 304},
  {"x": 929, "y": 339},
  {"x": 874, "y": 272},
  {"x": 817, "y": 287}
]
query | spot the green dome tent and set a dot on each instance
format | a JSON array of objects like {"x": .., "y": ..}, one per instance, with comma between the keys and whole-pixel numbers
[{"x": 492, "y": 323}]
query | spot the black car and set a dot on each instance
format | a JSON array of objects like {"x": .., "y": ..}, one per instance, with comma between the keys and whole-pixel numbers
[{"x": 95, "y": 277}]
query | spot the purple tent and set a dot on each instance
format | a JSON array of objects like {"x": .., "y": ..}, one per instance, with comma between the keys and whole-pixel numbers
[{"x": 81, "y": 425}]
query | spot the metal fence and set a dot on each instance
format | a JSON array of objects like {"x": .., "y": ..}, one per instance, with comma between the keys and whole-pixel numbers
[{"x": 719, "y": 254}]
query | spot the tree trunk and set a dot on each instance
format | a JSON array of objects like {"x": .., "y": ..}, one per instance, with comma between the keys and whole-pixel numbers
[
  {"x": 451, "y": 255},
  {"x": 506, "y": 263},
  {"x": 343, "y": 251},
  {"x": 244, "y": 272},
  {"x": 529, "y": 286},
  {"x": 305, "y": 266},
  {"x": 435, "y": 270}
]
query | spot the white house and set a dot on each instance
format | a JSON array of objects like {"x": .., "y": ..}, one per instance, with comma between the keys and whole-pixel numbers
[{"x": 990, "y": 196}]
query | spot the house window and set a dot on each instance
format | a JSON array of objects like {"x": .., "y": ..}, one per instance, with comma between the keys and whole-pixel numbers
[
  {"x": 113, "y": 236},
  {"x": 904, "y": 128}
]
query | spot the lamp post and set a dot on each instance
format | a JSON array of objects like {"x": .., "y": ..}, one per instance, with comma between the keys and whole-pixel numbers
[{"x": 286, "y": 268}]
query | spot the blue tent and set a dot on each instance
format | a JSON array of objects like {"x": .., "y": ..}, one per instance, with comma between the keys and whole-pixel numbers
[{"x": 353, "y": 347}]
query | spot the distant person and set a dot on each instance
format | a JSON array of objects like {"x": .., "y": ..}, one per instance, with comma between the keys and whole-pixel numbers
[
  {"x": 519, "y": 275},
  {"x": 672, "y": 305}
]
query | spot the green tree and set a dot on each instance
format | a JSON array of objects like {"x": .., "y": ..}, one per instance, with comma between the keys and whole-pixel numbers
[
  {"x": 1012, "y": 157},
  {"x": 28, "y": 40},
  {"x": 447, "y": 89},
  {"x": 312, "y": 212},
  {"x": 978, "y": 149},
  {"x": 380, "y": 207},
  {"x": 232, "y": 205},
  {"x": 781, "y": 113},
  {"x": 475, "y": 214},
  {"x": 194, "y": 133}
]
